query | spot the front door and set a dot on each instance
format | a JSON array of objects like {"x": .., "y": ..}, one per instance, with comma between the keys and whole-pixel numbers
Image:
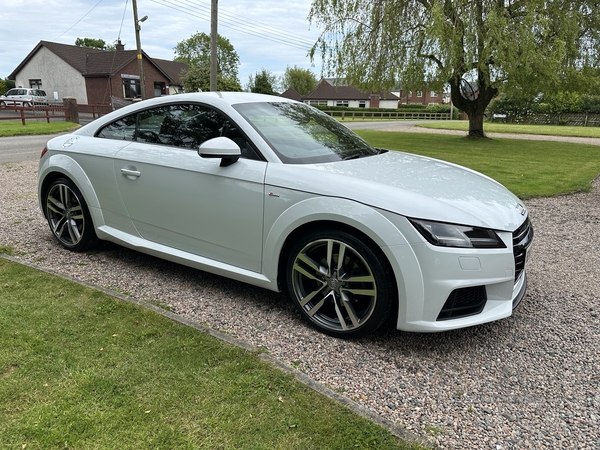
[{"x": 178, "y": 199}]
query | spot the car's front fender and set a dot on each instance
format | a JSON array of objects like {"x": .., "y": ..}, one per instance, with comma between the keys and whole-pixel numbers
[{"x": 306, "y": 210}]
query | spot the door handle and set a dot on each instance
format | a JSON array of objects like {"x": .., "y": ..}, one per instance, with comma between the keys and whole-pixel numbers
[{"x": 130, "y": 173}]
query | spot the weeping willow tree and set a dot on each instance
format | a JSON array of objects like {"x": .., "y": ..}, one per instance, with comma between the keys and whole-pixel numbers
[{"x": 476, "y": 47}]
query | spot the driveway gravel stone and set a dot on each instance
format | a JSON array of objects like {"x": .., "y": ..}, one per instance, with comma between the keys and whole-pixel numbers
[{"x": 528, "y": 381}]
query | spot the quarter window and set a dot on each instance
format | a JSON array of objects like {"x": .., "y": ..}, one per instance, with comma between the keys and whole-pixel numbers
[{"x": 122, "y": 129}]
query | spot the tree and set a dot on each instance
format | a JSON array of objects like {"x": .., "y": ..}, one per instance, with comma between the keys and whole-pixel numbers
[
  {"x": 518, "y": 46},
  {"x": 195, "y": 52},
  {"x": 6, "y": 85},
  {"x": 198, "y": 77},
  {"x": 301, "y": 80},
  {"x": 263, "y": 82},
  {"x": 100, "y": 44}
]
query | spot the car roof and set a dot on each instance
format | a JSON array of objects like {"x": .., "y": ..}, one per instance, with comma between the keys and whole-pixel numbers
[
  {"x": 221, "y": 100},
  {"x": 230, "y": 98}
]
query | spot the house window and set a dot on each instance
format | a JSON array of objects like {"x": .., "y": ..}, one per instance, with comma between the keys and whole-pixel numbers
[
  {"x": 341, "y": 103},
  {"x": 35, "y": 84},
  {"x": 362, "y": 104},
  {"x": 159, "y": 89},
  {"x": 316, "y": 102},
  {"x": 419, "y": 93},
  {"x": 433, "y": 94},
  {"x": 131, "y": 88}
]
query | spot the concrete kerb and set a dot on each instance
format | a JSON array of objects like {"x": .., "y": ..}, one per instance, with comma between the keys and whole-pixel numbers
[{"x": 392, "y": 427}]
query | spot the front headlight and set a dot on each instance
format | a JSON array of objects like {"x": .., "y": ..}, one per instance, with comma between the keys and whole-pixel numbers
[{"x": 450, "y": 235}]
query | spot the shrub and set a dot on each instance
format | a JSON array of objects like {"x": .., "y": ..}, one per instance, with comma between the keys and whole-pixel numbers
[{"x": 590, "y": 104}]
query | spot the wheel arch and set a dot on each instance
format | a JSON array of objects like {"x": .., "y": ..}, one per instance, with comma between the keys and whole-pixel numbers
[
  {"x": 364, "y": 222},
  {"x": 61, "y": 166}
]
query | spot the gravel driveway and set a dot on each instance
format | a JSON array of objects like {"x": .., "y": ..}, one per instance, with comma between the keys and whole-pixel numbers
[{"x": 529, "y": 381}]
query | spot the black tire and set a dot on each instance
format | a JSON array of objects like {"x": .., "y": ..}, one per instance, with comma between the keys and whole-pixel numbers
[
  {"x": 68, "y": 216},
  {"x": 347, "y": 299}
]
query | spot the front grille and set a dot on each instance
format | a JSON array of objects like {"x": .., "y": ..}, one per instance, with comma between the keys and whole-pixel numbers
[
  {"x": 464, "y": 302},
  {"x": 522, "y": 239}
]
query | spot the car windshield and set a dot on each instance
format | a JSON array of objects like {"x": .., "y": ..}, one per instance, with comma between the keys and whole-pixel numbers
[{"x": 301, "y": 134}]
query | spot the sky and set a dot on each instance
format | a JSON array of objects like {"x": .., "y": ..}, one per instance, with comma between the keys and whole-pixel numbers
[{"x": 269, "y": 34}]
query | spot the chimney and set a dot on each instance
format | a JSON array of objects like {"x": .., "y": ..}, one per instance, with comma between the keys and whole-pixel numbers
[{"x": 120, "y": 47}]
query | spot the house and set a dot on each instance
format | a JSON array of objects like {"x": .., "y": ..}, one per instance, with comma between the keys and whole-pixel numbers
[
  {"x": 333, "y": 92},
  {"x": 422, "y": 97},
  {"x": 292, "y": 94},
  {"x": 95, "y": 76}
]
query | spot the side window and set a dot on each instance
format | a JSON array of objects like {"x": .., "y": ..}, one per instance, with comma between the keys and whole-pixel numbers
[
  {"x": 182, "y": 125},
  {"x": 179, "y": 125},
  {"x": 190, "y": 125},
  {"x": 122, "y": 129}
]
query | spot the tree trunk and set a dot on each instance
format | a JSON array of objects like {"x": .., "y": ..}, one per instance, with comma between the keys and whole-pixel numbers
[
  {"x": 476, "y": 123},
  {"x": 475, "y": 106}
]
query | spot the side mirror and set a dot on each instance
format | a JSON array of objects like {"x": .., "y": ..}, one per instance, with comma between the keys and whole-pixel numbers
[{"x": 220, "y": 147}]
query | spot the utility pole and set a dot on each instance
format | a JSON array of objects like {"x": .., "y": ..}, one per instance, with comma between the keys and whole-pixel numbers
[
  {"x": 213, "y": 44},
  {"x": 136, "y": 23}
]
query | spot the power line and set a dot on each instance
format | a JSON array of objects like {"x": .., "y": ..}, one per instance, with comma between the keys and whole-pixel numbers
[
  {"x": 94, "y": 7},
  {"x": 255, "y": 25},
  {"x": 271, "y": 34}
]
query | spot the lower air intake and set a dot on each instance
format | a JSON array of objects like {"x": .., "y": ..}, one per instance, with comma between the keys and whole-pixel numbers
[{"x": 464, "y": 302}]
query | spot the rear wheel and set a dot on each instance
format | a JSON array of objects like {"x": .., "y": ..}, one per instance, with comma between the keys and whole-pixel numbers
[
  {"x": 339, "y": 284},
  {"x": 68, "y": 216}
]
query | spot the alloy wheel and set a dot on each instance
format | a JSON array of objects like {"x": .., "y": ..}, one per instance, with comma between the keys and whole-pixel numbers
[{"x": 334, "y": 285}]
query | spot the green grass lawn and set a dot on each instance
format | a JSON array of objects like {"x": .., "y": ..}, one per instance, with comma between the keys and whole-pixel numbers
[
  {"x": 81, "y": 369},
  {"x": 528, "y": 168},
  {"x": 494, "y": 127},
  {"x": 16, "y": 128}
]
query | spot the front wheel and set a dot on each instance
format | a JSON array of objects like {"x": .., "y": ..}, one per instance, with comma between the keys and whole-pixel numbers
[
  {"x": 339, "y": 284},
  {"x": 68, "y": 216}
]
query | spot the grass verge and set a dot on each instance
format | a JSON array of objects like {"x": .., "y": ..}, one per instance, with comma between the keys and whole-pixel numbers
[
  {"x": 528, "y": 168},
  {"x": 81, "y": 369},
  {"x": 16, "y": 128},
  {"x": 491, "y": 127}
]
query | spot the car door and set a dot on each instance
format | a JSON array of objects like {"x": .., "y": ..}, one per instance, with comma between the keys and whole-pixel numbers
[{"x": 178, "y": 199}]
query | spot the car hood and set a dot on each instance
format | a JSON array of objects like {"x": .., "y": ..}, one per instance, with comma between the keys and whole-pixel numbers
[{"x": 410, "y": 185}]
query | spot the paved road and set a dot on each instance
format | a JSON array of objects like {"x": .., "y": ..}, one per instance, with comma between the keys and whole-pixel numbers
[{"x": 22, "y": 148}]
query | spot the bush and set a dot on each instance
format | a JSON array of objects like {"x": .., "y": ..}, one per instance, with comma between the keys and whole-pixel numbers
[
  {"x": 561, "y": 103},
  {"x": 590, "y": 104},
  {"x": 515, "y": 109}
]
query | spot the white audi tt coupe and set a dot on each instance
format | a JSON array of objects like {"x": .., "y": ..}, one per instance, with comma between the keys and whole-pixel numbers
[{"x": 277, "y": 194}]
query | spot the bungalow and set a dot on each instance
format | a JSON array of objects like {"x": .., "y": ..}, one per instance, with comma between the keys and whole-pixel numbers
[
  {"x": 332, "y": 92},
  {"x": 95, "y": 76}
]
